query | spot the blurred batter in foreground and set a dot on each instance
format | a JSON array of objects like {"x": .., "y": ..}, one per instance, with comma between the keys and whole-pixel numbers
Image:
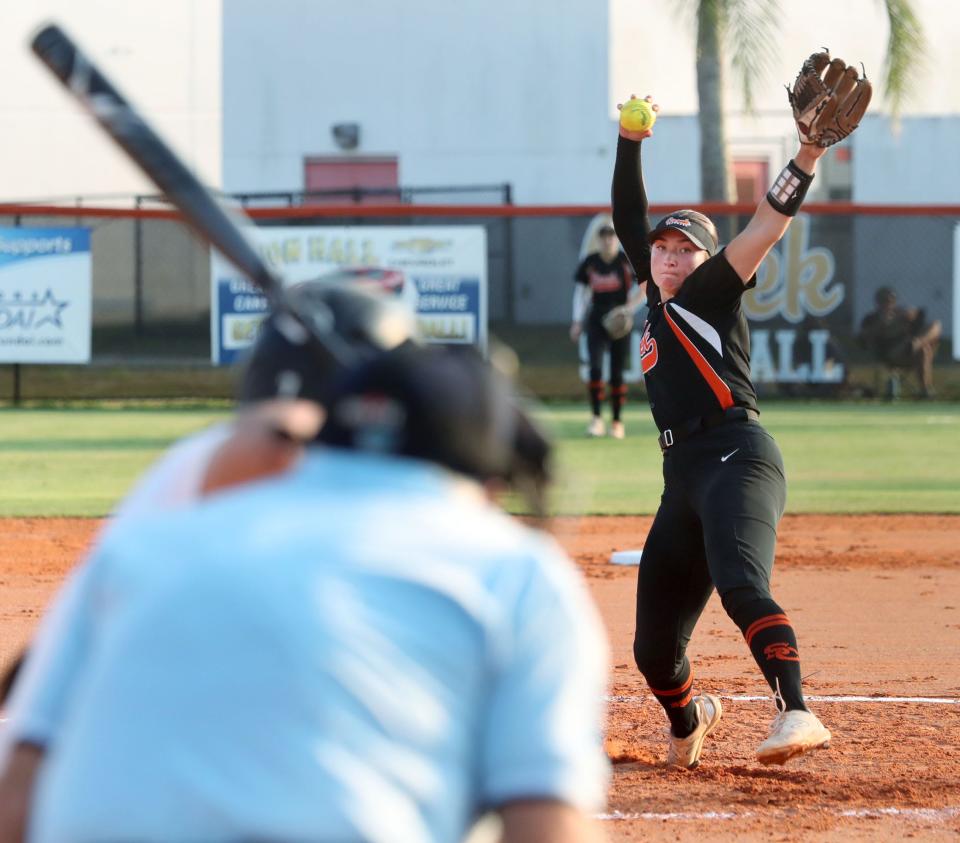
[{"x": 360, "y": 647}]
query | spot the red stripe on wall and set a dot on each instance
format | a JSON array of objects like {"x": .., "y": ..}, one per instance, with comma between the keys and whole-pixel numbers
[{"x": 473, "y": 211}]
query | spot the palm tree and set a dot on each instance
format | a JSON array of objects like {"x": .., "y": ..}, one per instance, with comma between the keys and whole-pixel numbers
[{"x": 742, "y": 35}]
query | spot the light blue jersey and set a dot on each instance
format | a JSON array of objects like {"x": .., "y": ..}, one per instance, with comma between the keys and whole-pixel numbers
[{"x": 363, "y": 649}]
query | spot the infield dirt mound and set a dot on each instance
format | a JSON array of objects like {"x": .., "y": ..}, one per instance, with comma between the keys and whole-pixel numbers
[{"x": 876, "y": 604}]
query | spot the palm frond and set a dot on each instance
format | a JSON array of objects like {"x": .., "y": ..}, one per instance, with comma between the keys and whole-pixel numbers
[
  {"x": 751, "y": 30},
  {"x": 905, "y": 60},
  {"x": 687, "y": 11}
]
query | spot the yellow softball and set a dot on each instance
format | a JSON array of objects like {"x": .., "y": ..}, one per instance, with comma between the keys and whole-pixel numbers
[{"x": 637, "y": 116}]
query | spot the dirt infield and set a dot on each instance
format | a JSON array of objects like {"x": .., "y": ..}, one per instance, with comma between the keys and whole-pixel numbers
[{"x": 876, "y": 604}]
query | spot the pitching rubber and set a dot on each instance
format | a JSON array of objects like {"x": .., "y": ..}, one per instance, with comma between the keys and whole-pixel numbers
[{"x": 626, "y": 557}]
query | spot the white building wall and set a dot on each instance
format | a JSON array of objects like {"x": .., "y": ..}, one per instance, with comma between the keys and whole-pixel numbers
[
  {"x": 671, "y": 162},
  {"x": 488, "y": 91},
  {"x": 912, "y": 164},
  {"x": 163, "y": 54},
  {"x": 467, "y": 92},
  {"x": 653, "y": 51},
  {"x": 479, "y": 90}
]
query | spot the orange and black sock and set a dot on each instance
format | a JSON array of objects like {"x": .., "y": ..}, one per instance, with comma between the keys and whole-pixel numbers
[
  {"x": 618, "y": 396},
  {"x": 773, "y": 643},
  {"x": 677, "y": 701}
]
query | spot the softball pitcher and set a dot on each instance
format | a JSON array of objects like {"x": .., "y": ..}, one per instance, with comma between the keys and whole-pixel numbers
[{"x": 724, "y": 484}]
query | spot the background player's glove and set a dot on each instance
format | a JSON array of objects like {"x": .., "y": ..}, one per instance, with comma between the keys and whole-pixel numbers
[
  {"x": 618, "y": 322},
  {"x": 828, "y": 98}
]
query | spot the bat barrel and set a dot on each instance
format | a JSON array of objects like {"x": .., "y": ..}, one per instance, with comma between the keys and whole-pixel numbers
[
  {"x": 205, "y": 213},
  {"x": 55, "y": 49}
]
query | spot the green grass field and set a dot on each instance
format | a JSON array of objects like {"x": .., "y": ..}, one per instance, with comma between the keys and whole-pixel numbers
[
  {"x": 839, "y": 457},
  {"x": 81, "y": 461}
]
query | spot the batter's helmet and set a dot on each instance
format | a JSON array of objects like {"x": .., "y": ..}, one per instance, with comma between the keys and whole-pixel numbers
[
  {"x": 348, "y": 325},
  {"x": 443, "y": 404}
]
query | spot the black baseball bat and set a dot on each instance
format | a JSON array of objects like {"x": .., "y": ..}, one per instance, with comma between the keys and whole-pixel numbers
[
  {"x": 113, "y": 112},
  {"x": 209, "y": 217}
]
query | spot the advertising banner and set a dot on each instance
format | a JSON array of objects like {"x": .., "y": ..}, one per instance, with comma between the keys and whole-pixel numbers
[
  {"x": 45, "y": 295},
  {"x": 440, "y": 271}
]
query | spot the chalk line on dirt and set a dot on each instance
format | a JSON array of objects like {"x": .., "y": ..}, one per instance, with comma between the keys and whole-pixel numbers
[
  {"x": 675, "y": 815},
  {"x": 811, "y": 698},
  {"x": 937, "y": 814}
]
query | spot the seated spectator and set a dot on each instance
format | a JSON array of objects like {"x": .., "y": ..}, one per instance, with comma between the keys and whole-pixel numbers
[{"x": 901, "y": 338}]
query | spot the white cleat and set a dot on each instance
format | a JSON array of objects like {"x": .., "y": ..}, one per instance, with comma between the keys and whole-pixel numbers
[
  {"x": 596, "y": 427},
  {"x": 617, "y": 430},
  {"x": 792, "y": 733},
  {"x": 685, "y": 752}
]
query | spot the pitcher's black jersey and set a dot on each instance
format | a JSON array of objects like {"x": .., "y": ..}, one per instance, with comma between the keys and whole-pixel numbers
[{"x": 695, "y": 349}]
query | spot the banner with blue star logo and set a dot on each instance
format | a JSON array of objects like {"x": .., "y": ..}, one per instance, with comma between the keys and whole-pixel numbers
[{"x": 45, "y": 295}]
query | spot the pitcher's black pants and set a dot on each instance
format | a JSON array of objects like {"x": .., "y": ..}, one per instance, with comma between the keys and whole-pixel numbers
[{"x": 724, "y": 493}]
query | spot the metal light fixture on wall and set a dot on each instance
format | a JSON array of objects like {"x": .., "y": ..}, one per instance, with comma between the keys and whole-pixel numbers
[{"x": 346, "y": 135}]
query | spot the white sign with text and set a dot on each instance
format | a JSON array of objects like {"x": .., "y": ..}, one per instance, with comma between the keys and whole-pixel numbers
[
  {"x": 45, "y": 295},
  {"x": 440, "y": 271}
]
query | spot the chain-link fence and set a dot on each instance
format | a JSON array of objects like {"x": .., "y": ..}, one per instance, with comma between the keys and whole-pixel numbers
[{"x": 151, "y": 292}]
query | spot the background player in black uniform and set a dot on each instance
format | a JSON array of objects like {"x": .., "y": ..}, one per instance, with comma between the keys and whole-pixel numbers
[
  {"x": 603, "y": 281},
  {"x": 724, "y": 485}
]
